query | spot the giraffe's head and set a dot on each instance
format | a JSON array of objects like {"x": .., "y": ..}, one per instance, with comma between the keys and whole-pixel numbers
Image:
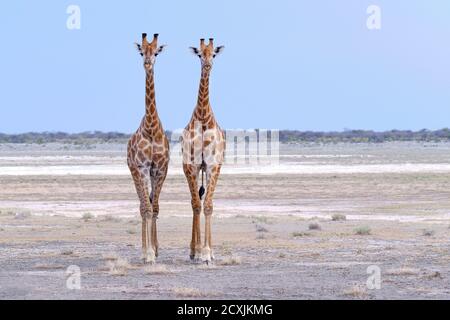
[
  {"x": 149, "y": 51},
  {"x": 207, "y": 53}
]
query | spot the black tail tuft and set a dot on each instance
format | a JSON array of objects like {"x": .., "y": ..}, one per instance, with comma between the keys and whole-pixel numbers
[{"x": 201, "y": 192}]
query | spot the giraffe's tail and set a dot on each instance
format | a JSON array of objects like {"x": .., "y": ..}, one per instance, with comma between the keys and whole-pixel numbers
[{"x": 201, "y": 191}]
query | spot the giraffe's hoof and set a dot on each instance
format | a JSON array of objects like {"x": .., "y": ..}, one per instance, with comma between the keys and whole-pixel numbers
[
  {"x": 195, "y": 259},
  {"x": 206, "y": 255},
  {"x": 148, "y": 259}
]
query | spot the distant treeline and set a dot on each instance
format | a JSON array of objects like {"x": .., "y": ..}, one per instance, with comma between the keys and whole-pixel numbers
[
  {"x": 365, "y": 136},
  {"x": 285, "y": 136}
]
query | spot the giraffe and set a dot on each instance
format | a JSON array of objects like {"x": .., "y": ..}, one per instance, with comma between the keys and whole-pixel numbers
[
  {"x": 148, "y": 154},
  {"x": 203, "y": 147}
]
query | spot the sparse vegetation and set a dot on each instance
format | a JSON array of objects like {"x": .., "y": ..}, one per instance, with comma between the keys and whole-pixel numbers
[
  {"x": 118, "y": 267},
  {"x": 230, "y": 261},
  {"x": 49, "y": 266},
  {"x": 131, "y": 231},
  {"x": 403, "y": 271},
  {"x": 358, "y": 292},
  {"x": 157, "y": 269},
  {"x": 338, "y": 217},
  {"x": 363, "y": 231},
  {"x": 260, "y": 219},
  {"x": 314, "y": 226},
  {"x": 428, "y": 232},
  {"x": 87, "y": 216},
  {"x": 66, "y": 252},
  {"x": 111, "y": 256},
  {"x": 300, "y": 234},
  {"x": 6, "y": 212},
  {"x": 260, "y": 228},
  {"x": 187, "y": 292},
  {"x": 110, "y": 218}
]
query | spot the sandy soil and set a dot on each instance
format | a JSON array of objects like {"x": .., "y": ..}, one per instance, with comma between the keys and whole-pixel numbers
[{"x": 273, "y": 234}]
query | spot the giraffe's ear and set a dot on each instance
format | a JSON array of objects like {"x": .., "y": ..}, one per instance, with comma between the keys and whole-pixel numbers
[
  {"x": 218, "y": 50},
  {"x": 139, "y": 48},
  {"x": 160, "y": 49},
  {"x": 195, "y": 51}
]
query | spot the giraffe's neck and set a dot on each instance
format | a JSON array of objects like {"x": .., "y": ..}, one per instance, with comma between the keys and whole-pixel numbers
[
  {"x": 151, "y": 120},
  {"x": 203, "y": 110}
]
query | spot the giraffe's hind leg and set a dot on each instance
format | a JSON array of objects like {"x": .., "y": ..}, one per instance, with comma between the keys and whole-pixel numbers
[{"x": 157, "y": 183}]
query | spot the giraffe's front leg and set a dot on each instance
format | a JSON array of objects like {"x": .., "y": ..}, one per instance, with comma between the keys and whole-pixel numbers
[
  {"x": 141, "y": 189},
  {"x": 212, "y": 176},
  {"x": 191, "y": 172},
  {"x": 196, "y": 234},
  {"x": 157, "y": 183},
  {"x": 148, "y": 253}
]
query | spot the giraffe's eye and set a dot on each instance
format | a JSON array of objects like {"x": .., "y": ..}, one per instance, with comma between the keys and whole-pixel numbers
[
  {"x": 156, "y": 54},
  {"x": 199, "y": 56},
  {"x": 214, "y": 55}
]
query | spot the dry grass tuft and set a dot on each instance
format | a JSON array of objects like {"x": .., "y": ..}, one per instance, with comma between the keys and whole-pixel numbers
[
  {"x": 87, "y": 216},
  {"x": 357, "y": 292},
  {"x": 110, "y": 218},
  {"x": 403, "y": 271},
  {"x": 118, "y": 267},
  {"x": 260, "y": 228},
  {"x": 428, "y": 232},
  {"x": 67, "y": 252},
  {"x": 338, "y": 217},
  {"x": 260, "y": 219},
  {"x": 314, "y": 226},
  {"x": 363, "y": 231},
  {"x": 435, "y": 275},
  {"x": 300, "y": 234},
  {"x": 110, "y": 256},
  {"x": 188, "y": 292},
  {"x": 43, "y": 266},
  {"x": 230, "y": 261},
  {"x": 157, "y": 269}
]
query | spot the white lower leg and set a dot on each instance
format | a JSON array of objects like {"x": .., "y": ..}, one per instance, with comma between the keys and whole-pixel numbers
[
  {"x": 206, "y": 251},
  {"x": 148, "y": 254}
]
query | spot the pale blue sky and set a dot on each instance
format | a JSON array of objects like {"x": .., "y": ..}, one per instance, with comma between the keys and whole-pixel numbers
[{"x": 288, "y": 64}]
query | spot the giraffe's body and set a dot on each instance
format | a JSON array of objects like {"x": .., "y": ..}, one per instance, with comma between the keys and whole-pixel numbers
[
  {"x": 203, "y": 144},
  {"x": 148, "y": 156}
]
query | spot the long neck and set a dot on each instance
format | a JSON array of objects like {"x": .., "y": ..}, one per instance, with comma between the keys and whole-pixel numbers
[
  {"x": 203, "y": 109},
  {"x": 151, "y": 120}
]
